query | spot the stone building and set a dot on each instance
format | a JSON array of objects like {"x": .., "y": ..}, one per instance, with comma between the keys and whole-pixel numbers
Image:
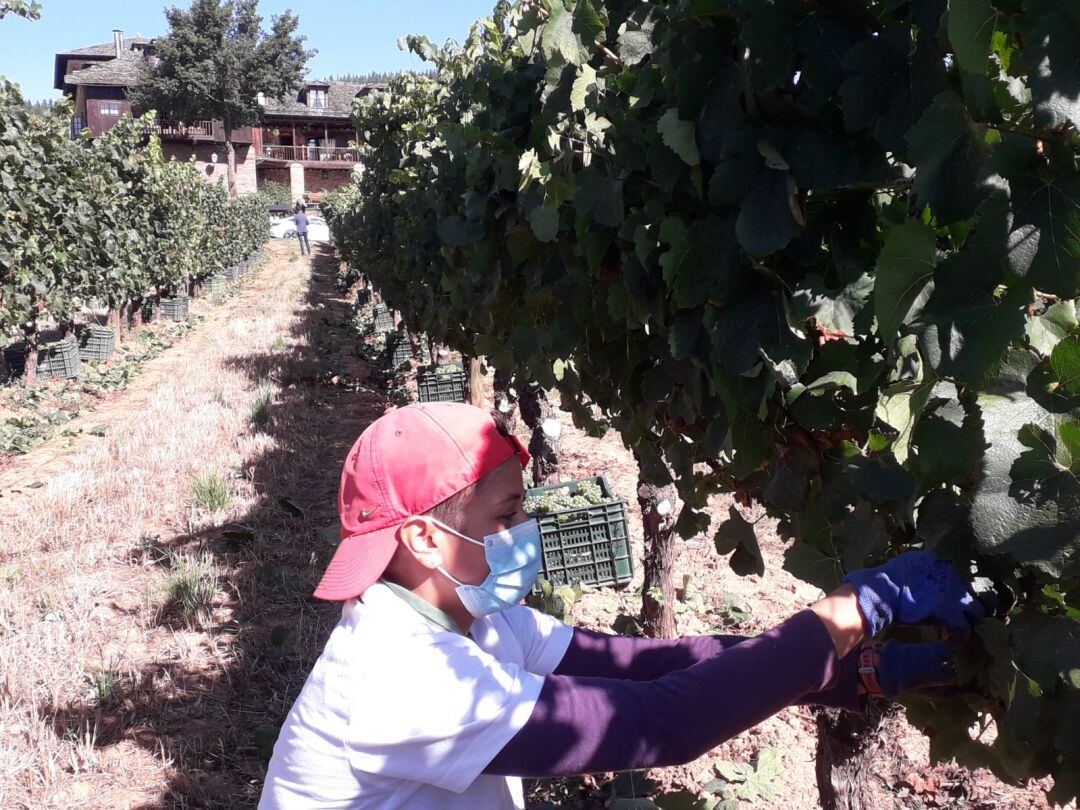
[{"x": 303, "y": 141}]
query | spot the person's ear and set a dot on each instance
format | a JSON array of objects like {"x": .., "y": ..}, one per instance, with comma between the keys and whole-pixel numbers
[{"x": 417, "y": 535}]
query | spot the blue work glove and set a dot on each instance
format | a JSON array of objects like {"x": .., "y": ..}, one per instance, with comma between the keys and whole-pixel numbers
[
  {"x": 902, "y": 667},
  {"x": 912, "y": 588}
]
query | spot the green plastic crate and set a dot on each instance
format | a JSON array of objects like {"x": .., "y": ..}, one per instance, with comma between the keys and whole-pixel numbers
[
  {"x": 61, "y": 359},
  {"x": 384, "y": 321},
  {"x": 591, "y": 544},
  {"x": 450, "y": 384},
  {"x": 398, "y": 349},
  {"x": 97, "y": 343},
  {"x": 175, "y": 309},
  {"x": 232, "y": 272},
  {"x": 215, "y": 284}
]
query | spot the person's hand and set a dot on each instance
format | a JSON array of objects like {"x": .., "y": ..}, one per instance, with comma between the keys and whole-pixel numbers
[
  {"x": 913, "y": 667},
  {"x": 912, "y": 588}
]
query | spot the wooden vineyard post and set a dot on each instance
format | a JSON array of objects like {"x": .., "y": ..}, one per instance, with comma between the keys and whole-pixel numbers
[{"x": 476, "y": 383}]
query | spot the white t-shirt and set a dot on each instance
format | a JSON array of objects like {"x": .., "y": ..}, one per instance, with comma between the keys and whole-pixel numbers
[{"x": 400, "y": 713}]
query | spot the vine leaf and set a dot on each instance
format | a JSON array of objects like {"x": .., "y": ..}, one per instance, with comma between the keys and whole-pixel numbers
[
  {"x": 1027, "y": 502},
  {"x": 678, "y": 136},
  {"x": 834, "y": 311},
  {"x": 948, "y": 155},
  {"x": 971, "y": 30},
  {"x": 559, "y": 37},
  {"x": 767, "y": 222},
  {"x": 634, "y": 46},
  {"x": 545, "y": 222},
  {"x": 963, "y": 339},
  {"x": 880, "y": 481},
  {"x": 587, "y": 21},
  {"x": 905, "y": 266},
  {"x": 812, "y": 565},
  {"x": 1045, "y": 331},
  {"x": 579, "y": 91},
  {"x": 1045, "y": 245},
  {"x": 1053, "y": 45},
  {"x": 750, "y": 444},
  {"x": 702, "y": 262},
  {"x": 1065, "y": 360},
  {"x": 736, "y": 536}
]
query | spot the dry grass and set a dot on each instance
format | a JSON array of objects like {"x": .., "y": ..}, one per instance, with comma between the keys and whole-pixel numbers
[{"x": 122, "y": 584}]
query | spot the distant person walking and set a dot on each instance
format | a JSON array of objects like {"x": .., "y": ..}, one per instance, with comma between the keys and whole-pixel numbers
[{"x": 301, "y": 221}]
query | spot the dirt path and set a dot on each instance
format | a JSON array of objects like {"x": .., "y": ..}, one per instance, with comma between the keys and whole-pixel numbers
[
  {"x": 55, "y": 455},
  {"x": 111, "y": 693}
]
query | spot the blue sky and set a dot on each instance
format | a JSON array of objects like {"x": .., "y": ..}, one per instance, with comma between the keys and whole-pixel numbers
[{"x": 352, "y": 36}]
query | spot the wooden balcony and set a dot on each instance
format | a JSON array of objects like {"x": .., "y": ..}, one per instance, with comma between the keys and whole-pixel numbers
[
  {"x": 322, "y": 156},
  {"x": 200, "y": 130}
]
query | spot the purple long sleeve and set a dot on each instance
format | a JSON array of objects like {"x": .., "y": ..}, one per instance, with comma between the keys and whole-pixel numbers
[
  {"x": 599, "y": 655},
  {"x": 583, "y": 724}
]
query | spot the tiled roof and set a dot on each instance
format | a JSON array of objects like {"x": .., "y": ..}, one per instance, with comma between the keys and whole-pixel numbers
[
  {"x": 106, "y": 48},
  {"x": 339, "y": 100},
  {"x": 103, "y": 53},
  {"x": 122, "y": 72}
]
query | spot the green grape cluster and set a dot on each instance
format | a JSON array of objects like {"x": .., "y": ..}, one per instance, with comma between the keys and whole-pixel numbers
[
  {"x": 364, "y": 320},
  {"x": 579, "y": 495}
]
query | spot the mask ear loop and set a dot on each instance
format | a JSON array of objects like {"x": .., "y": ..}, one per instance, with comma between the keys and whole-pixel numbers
[
  {"x": 450, "y": 576},
  {"x": 456, "y": 533},
  {"x": 453, "y": 531}
]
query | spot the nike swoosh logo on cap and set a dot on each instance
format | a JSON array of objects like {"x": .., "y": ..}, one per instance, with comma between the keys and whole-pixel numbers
[{"x": 366, "y": 513}]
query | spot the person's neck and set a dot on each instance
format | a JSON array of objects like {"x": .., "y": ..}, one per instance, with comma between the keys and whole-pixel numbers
[{"x": 427, "y": 591}]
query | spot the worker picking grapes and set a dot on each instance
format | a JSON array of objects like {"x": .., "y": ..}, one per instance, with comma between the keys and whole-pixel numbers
[{"x": 439, "y": 689}]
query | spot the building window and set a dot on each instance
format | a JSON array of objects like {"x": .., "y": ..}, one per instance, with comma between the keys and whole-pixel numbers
[
  {"x": 110, "y": 108},
  {"x": 317, "y": 99}
]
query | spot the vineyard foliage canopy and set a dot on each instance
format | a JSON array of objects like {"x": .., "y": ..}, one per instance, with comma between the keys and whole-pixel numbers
[
  {"x": 106, "y": 221},
  {"x": 824, "y": 255}
]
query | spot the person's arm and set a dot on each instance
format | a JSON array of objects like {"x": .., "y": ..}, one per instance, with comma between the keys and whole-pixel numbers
[
  {"x": 600, "y": 655},
  {"x": 584, "y": 724}
]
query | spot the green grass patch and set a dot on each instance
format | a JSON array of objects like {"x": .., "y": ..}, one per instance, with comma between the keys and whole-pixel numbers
[
  {"x": 192, "y": 583},
  {"x": 260, "y": 407},
  {"x": 210, "y": 491}
]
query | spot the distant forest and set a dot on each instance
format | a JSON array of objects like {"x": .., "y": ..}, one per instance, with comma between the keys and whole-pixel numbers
[
  {"x": 39, "y": 107},
  {"x": 376, "y": 77}
]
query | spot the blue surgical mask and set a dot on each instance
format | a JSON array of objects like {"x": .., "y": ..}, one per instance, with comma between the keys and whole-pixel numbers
[{"x": 513, "y": 556}]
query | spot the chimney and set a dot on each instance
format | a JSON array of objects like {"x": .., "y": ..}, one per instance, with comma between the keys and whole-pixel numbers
[{"x": 118, "y": 41}]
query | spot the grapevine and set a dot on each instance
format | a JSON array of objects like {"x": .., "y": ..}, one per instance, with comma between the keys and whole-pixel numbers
[
  {"x": 104, "y": 220},
  {"x": 820, "y": 255}
]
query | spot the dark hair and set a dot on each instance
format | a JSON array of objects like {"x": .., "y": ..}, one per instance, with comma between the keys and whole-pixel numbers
[{"x": 452, "y": 510}]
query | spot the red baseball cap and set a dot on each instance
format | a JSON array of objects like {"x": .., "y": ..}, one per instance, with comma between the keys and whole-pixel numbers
[{"x": 406, "y": 462}]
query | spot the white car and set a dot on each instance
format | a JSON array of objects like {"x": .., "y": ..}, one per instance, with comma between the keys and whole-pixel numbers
[{"x": 318, "y": 230}]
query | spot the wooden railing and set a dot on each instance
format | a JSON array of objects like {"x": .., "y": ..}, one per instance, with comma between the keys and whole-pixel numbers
[
  {"x": 341, "y": 154},
  {"x": 200, "y": 129}
]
